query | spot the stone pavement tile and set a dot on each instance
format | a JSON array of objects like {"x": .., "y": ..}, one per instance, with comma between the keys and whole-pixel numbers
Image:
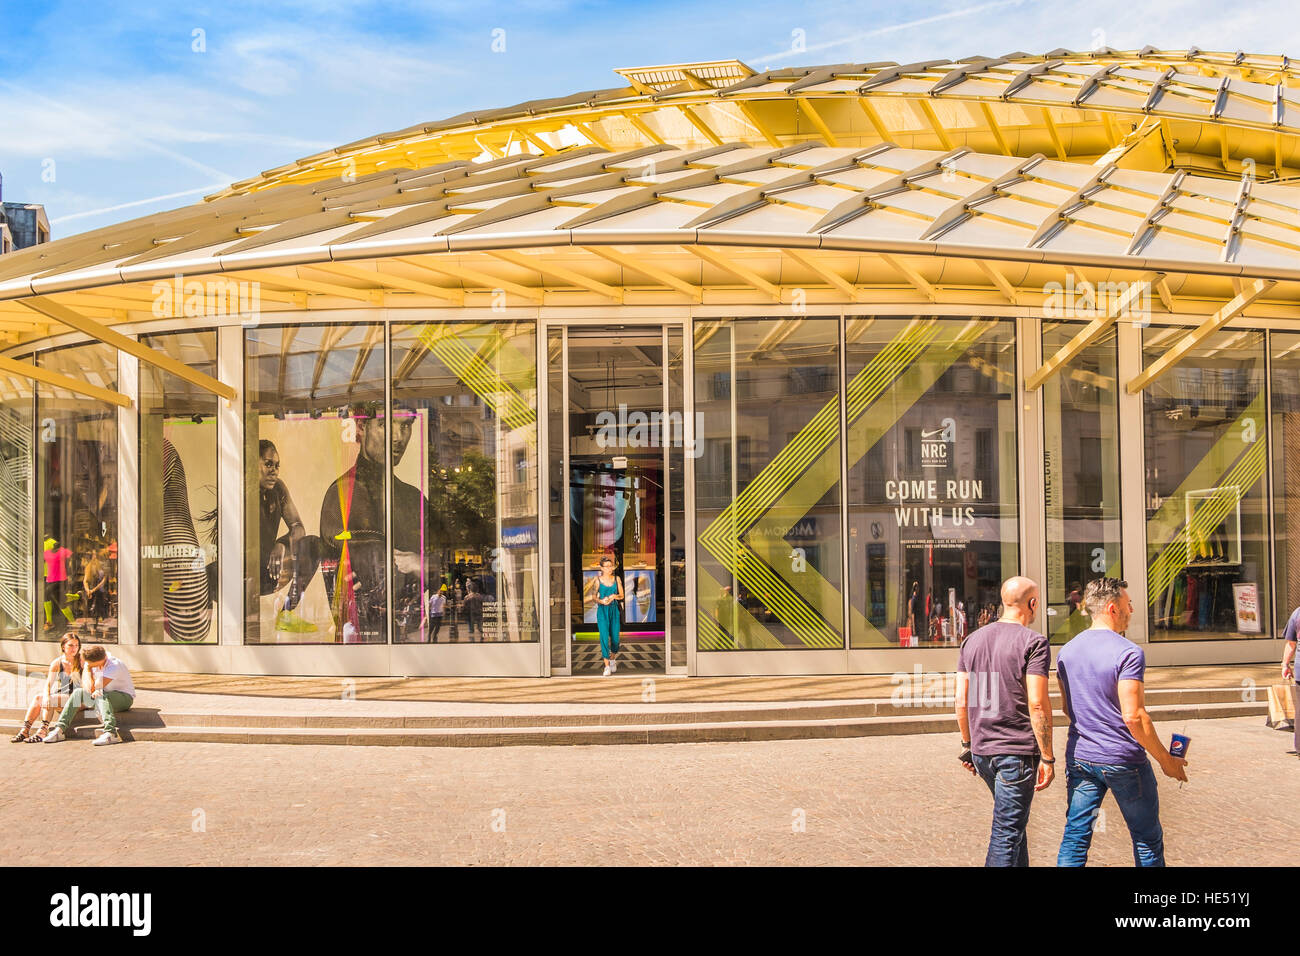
[{"x": 874, "y": 800}]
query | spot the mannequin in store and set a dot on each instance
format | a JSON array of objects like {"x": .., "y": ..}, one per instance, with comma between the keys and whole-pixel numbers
[{"x": 56, "y": 581}]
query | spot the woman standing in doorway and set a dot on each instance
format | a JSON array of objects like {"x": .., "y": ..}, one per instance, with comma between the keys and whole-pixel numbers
[{"x": 609, "y": 597}]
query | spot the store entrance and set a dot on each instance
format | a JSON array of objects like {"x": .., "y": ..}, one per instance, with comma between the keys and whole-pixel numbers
[{"x": 617, "y": 440}]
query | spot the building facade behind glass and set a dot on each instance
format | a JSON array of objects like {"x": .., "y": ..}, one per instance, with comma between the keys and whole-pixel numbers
[{"x": 817, "y": 492}]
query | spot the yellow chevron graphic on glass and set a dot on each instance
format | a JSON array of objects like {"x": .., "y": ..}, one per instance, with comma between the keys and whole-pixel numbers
[
  {"x": 729, "y": 625},
  {"x": 747, "y": 538},
  {"x": 474, "y": 369},
  {"x": 1229, "y": 461},
  {"x": 1208, "y": 515}
]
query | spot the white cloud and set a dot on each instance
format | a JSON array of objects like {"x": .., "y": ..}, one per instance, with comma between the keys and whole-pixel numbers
[{"x": 287, "y": 61}]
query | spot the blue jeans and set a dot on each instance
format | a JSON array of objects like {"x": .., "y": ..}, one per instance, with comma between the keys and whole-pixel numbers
[
  {"x": 1011, "y": 779},
  {"x": 1139, "y": 801}
]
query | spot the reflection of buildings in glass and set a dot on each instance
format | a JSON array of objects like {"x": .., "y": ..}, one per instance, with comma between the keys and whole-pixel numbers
[
  {"x": 515, "y": 607},
  {"x": 1205, "y": 503},
  {"x": 784, "y": 375},
  {"x": 1081, "y": 476},
  {"x": 932, "y": 500}
]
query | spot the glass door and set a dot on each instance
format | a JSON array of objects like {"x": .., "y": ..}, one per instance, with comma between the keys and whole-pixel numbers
[{"x": 616, "y": 448}]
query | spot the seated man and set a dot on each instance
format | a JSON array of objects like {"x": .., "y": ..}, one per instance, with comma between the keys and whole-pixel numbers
[{"x": 110, "y": 691}]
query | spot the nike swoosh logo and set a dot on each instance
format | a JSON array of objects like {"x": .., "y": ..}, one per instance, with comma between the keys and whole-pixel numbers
[{"x": 932, "y": 433}]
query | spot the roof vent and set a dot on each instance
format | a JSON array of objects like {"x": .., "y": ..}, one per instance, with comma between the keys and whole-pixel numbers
[{"x": 713, "y": 75}]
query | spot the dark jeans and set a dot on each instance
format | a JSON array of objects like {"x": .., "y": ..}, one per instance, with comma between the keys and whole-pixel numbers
[
  {"x": 1295, "y": 697},
  {"x": 1010, "y": 777},
  {"x": 1138, "y": 798}
]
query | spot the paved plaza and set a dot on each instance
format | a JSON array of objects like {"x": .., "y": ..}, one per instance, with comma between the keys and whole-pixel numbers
[{"x": 872, "y": 800}]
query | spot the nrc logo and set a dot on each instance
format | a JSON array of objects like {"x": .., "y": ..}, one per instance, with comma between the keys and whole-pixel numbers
[{"x": 937, "y": 444}]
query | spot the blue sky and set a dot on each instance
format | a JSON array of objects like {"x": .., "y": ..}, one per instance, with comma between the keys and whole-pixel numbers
[{"x": 107, "y": 112}]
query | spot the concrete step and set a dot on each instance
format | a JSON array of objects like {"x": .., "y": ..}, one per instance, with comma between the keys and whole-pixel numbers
[
  {"x": 537, "y": 716},
  {"x": 544, "y": 716},
  {"x": 683, "y": 730}
]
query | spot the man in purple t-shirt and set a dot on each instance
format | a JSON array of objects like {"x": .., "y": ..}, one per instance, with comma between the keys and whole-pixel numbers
[
  {"x": 1101, "y": 677},
  {"x": 1005, "y": 717}
]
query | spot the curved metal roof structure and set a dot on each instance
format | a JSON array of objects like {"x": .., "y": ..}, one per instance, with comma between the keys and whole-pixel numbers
[
  {"x": 973, "y": 183},
  {"x": 1065, "y": 104}
]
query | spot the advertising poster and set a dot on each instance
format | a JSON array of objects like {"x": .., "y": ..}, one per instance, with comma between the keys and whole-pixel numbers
[
  {"x": 639, "y": 589},
  {"x": 178, "y": 532},
  {"x": 322, "y": 550},
  {"x": 1246, "y": 599}
]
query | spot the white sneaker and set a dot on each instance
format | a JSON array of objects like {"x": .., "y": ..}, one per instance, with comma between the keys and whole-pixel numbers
[
  {"x": 613, "y": 667},
  {"x": 606, "y": 674},
  {"x": 54, "y": 736},
  {"x": 106, "y": 738}
]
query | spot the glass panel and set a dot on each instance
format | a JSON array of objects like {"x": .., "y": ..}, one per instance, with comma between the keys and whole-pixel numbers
[
  {"x": 178, "y": 495},
  {"x": 616, "y": 501},
  {"x": 465, "y": 545},
  {"x": 17, "y": 549},
  {"x": 767, "y": 395},
  {"x": 77, "y": 501},
  {"x": 676, "y": 369},
  {"x": 1080, "y": 474},
  {"x": 1285, "y": 348},
  {"x": 932, "y": 476},
  {"x": 556, "y": 484},
  {"x": 316, "y": 471},
  {"x": 1206, "y": 507}
]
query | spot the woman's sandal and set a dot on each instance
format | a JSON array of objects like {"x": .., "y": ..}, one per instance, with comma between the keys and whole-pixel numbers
[
  {"x": 18, "y": 737},
  {"x": 38, "y": 736}
]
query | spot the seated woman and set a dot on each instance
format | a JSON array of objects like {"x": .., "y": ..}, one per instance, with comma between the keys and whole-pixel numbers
[{"x": 63, "y": 677}]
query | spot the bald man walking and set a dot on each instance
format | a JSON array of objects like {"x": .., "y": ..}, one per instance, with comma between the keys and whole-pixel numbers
[{"x": 1004, "y": 714}]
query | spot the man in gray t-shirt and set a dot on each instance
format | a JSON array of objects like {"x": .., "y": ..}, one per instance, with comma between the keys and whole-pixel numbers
[{"x": 1005, "y": 717}]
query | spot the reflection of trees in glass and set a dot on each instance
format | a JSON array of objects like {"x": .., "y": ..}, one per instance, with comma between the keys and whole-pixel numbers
[{"x": 463, "y": 499}]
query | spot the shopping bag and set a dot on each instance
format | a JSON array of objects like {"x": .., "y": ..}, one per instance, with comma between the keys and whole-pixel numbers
[
  {"x": 904, "y": 637},
  {"x": 1281, "y": 708}
]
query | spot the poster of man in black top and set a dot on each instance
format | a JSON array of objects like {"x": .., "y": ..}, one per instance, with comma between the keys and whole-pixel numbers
[{"x": 352, "y": 531}]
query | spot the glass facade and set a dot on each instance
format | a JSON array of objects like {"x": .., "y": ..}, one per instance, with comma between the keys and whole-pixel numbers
[
  {"x": 315, "y": 455},
  {"x": 76, "y": 497},
  {"x": 464, "y": 470},
  {"x": 1285, "y": 445},
  {"x": 1205, "y": 427},
  {"x": 930, "y": 408},
  {"x": 825, "y": 483},
  {"x": 17, "y": 546},
  {"x": 767, "y": 484},
  {"x": 179, "y": 499},
  {"x": 1081, "y": 475}
]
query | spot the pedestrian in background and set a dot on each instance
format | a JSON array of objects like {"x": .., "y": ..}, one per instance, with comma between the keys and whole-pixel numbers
[
  {"x": 1288, "y": 668},
  {"x": 1004, "y": 715}
]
